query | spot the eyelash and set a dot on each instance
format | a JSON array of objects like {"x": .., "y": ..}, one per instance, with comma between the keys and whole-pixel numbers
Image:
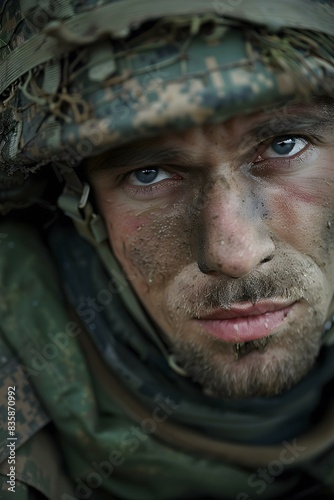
[
  {"x": 151, "y": 188},
  {"x": 264, "y": 145},
  {"x": 277, "y": 165}
]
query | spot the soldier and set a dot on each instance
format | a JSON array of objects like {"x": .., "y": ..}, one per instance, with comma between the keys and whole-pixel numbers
[{"x": 167, "y": 257}]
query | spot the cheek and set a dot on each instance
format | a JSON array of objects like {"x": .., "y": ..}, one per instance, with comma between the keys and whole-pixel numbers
[
  {"x": 304, "y": 219},
  {"x": 302, "y": 203},
  {"x": 151, "y": 248}
]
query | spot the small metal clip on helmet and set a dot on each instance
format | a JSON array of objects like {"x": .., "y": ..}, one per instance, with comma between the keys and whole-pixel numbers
[{"x": 79, "y": 77}]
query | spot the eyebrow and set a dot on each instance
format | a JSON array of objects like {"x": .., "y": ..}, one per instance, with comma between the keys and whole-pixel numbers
[
  {"x": 318, "y": 115},
  {"x": 287, "y": 124},
  {"x": 141, "y": 155}
]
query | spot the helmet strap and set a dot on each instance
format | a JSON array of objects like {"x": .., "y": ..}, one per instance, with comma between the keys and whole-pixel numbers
[{"x": 75, "y": 203}]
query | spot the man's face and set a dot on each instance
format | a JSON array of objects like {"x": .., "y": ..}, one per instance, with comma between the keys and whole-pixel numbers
[{"x": 227, "y": 235}]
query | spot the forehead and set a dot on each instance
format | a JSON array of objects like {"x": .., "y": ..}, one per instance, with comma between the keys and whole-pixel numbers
[{"x": 318, "y": 111}]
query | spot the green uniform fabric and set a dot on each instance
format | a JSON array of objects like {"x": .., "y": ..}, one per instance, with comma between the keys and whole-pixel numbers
[{"x": 102, "y": 448}]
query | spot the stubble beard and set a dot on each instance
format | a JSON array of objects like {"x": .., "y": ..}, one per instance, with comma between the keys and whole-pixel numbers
[
  {"x": 263, "y": 368},
  {"x": 259, "y": 368}
]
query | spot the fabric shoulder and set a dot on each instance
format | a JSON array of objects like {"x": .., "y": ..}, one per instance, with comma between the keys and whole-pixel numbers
[
  {"x": 28, "y": 441},
  {"x": 37, "y": 471},
  {"x": 21, "y": 413}
]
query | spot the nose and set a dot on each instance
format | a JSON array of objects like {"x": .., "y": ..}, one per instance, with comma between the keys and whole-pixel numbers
[{"x": 233, "y": 237}]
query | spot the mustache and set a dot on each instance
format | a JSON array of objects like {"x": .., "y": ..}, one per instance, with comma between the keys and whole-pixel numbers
[{"x": 253, "y": 288}]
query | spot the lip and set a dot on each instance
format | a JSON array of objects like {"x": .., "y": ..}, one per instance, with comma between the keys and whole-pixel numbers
[{"x": 245, "y": 322}]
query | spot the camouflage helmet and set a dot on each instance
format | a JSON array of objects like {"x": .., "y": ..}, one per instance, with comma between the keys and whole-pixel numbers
[{"x": 79, "y": 77}]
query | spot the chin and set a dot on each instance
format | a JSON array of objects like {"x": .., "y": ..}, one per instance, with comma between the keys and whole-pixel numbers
[{"x": 250, "y": 374}]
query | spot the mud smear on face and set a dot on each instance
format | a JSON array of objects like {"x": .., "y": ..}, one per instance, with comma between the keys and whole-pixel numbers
[
  {"x": 289, "y": 277},
  {"x": 162, "y": 247},
  {"x": 179, "y": 292},
  {"x": 241, "y": 349}
]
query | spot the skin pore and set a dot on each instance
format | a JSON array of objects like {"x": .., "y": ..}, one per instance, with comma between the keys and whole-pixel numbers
[{"x": 227, "y": 216}]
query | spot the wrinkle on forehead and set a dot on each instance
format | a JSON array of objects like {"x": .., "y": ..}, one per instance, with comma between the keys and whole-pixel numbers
[
  {"x": 259, "y": 126},
  {"x": 244, "y": 129}
]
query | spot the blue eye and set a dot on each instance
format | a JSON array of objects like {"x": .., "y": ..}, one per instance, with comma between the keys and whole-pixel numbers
[
  {"x": 285, "y": 146},
  {"x": 148, "y": 176}
]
